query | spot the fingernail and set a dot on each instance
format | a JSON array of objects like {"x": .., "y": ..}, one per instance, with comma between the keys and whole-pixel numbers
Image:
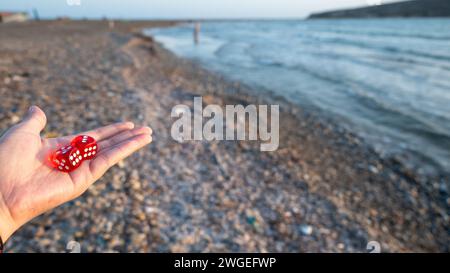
[{"x": 147, "y": 130}]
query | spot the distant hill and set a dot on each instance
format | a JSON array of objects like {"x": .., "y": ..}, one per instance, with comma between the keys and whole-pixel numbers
[{"x": 415, "y": 8}]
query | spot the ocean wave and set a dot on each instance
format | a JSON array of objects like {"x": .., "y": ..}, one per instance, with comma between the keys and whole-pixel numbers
[{"x": 384, "y": 78}]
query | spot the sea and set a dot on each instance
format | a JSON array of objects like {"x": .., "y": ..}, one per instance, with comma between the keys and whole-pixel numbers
[{"x": 386, "y": 80}]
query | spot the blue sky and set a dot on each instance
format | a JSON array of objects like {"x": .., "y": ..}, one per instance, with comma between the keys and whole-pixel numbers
[{"x": 180, "y": 9}]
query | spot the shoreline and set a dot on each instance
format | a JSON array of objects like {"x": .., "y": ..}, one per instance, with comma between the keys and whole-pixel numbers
[
  {"x": 427, "y": 162},
  {"x": 261, "y": 95},
  {"x": 322, "y": 178}
]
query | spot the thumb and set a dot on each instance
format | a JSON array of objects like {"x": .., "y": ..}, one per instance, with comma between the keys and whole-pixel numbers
[{"x": 34, "y": 121}]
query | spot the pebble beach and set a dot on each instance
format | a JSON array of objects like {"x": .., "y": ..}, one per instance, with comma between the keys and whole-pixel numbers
[{"x": 323, "y": 190}]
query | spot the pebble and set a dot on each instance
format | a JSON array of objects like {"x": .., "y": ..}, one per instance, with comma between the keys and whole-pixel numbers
[
  {"x": 306, "y": 229},
  {"x": 373, "y": 169},
  {"x": 15, "y": 119}
]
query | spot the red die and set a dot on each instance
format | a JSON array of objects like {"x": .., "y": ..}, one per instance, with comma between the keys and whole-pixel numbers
[
  {"x": 87, "y": 146},
  {"x": 67, "y": 158}
]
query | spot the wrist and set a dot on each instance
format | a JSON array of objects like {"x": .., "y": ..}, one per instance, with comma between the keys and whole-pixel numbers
[{"x": 6, "y": 222}]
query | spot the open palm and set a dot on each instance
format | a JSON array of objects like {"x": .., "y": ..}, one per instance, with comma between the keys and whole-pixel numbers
[{"x": 29, "y": 186}]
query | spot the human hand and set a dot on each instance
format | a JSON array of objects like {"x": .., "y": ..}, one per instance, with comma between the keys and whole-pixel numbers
[{"x": 30, "y": 187}]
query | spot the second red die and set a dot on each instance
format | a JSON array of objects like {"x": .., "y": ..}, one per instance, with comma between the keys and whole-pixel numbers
[{"x": 86, "y": 145}]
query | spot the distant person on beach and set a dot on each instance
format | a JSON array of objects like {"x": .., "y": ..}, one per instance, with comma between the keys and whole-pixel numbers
[
  {"x": 29, "y": 187},
  {"x": 197, "y": 33}
]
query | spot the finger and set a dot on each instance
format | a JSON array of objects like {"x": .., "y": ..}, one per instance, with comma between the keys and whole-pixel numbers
[
  {"x": 108, "y": 158},
  {"x": 34, "y": 121},
  {"x": 104, "y": 132},
  {"x": 109, "y": 142}
]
